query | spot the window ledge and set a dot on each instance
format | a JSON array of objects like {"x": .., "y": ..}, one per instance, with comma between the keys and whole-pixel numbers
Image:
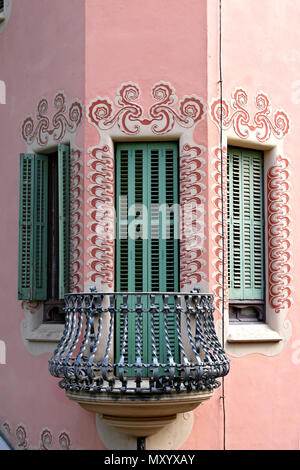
[
  {"x": 252, "y": 334},
  {"x": 46, "y": 333},
  {"x": 2, "y": 17}
]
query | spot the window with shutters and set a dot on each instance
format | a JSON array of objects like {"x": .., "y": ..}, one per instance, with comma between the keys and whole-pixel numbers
[
  {"x": 1, "y": 6},
  {"x": 44, "y": 252},
  {"x": 147, "y": 242},
  {"x": 245, "y": 204}
]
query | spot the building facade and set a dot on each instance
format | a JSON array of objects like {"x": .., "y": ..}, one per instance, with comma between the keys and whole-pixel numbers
[{"x": 189, "y": 104}]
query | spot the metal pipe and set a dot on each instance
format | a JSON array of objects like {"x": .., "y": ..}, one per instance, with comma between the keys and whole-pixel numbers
[{"x": 141, "y": 443}]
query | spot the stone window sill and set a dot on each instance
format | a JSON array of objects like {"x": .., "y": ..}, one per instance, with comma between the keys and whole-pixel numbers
[
  {"x": 252, "y": 333},
  {"x": 46, "y": 333}
]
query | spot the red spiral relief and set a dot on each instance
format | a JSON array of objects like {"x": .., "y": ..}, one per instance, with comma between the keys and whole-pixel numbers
[
  {"x": 76, "y": 224},
  {"x": 192, "y": 198},
  {"x": 101, "y": 215},
  {"x": 64, "y": 119},
  {"x": 217, "y": 229},
  {"x": 279, "y": 254},
  {"x": 240, "y": 120},
  {"x": 46, "y": 439},
  {"x": 161, "y": 116}
]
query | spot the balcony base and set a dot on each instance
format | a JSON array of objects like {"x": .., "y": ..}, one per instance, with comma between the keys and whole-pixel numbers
[
  {"x": 139, "y": 415},
  {"x": 138, "y": 427}
]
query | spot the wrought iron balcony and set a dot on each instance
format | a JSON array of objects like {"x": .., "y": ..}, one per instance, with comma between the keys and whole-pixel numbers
[{"x": 184, "y": 357}]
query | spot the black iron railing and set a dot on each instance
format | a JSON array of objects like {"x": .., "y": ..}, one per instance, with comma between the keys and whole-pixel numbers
[{"x": 88, "y": 358}]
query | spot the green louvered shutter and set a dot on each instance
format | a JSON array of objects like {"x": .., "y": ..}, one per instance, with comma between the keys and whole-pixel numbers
[
  {"x": 64, "y": 218},
  {"x": 163, "y": 253},
  {"x": 131, "y": 274},
  {"x": 245, "y": 224},
  {"x": 33, "y": 214},
  {"x": 26, "y": 210},
  {"x": 147, "y": 175},
  {"x": 1, "y": 6}
]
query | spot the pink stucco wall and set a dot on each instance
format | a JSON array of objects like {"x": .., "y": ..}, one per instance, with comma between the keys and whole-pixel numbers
[{"x": 88, "y": 49}]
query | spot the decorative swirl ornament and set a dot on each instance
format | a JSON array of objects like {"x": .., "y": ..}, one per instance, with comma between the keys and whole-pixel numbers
[
  {"x": 76, "y": 220},
  {"x": 279, "y": 255},
  {"x": 45, "y": 439},
  {"x": 217, "y": 228},
  {"x": 161, "y": 115},
  {"x": 101, "y": 215},
  {"x": 64, "y": 119},
  {"x": 240, "y": 119},
  {"x": 21, "y": 436},
  {"x": 6, "y": 427},
  {"x": 64, "y": 441},
  {"x": 193, "y": 227},
  {"x": 31, "y": 305}
]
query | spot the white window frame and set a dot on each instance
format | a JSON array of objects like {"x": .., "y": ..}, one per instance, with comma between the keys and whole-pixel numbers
[{"x": 268, "y": 338}]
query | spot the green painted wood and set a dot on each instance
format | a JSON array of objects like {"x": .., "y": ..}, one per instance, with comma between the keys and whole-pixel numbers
[
  {"x": 1, "y": 6},
  {"x": 130, "y": 245},
  {"x": 33, "y": 217},
  {"x": 26, "y": 209},
  {"x": 163, "y": 252},
  {"x": 245, "y": 224},
  {"x": 147, "y": 175},
  {"x": 40, "y": 232},
  {"x": 64, "y": 218}
]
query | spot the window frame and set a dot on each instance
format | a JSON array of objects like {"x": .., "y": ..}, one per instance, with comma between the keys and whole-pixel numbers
[
  {"x": 62, "y": 152},
  {"x": 270, "y": 337},
  {"x": 236, "y": 306}
]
